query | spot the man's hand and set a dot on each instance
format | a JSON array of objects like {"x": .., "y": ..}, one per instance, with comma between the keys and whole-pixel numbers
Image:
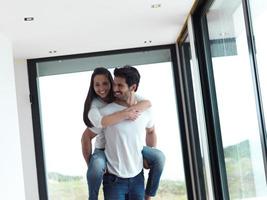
[
  {"x": 145, "y": 164},
  {"x": 151, "y": 137}
]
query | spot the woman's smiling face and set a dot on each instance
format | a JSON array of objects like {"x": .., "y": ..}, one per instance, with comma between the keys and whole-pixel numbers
[{"x": 102, "y": 86}]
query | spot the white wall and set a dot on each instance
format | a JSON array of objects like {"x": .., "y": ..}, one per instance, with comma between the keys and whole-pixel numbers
[
  {"x": 18, "y": 179},
  {"x": 11, "y": 171},
  {"x": 26, "y": 130}
]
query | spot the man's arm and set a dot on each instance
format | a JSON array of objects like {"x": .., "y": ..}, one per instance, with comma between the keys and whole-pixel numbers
[
  {"x": 86, "y": 141},
  {"x": 151, "y": 137}
]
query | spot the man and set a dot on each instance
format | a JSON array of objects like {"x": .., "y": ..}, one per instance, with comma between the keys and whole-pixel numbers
[{"x": 124, "y": 141}]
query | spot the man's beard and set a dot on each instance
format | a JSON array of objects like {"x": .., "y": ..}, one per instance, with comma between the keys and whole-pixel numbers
[{"x": 120, "y": 96}]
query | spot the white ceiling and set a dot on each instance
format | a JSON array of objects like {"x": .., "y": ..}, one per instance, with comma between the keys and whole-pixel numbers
[{"x": 83, "y": 26}]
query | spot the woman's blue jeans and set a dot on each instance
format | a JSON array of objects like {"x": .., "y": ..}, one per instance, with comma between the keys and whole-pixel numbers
[{"x": 97, "y": 167}]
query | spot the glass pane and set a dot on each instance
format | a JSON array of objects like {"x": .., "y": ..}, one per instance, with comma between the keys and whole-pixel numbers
[
  {"x": 236, "y": 101},
  {"x": 61, "y": 105},
  {"x": 172, "y": 186},
  {"x": 202, "y": 130},
  {"x": 259, "y": 16},
  {"x": 62, "y": 97},
  {"x": 191, "y": 63}
]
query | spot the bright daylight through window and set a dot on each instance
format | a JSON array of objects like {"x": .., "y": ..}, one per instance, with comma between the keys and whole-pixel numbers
[{"x": 62, "y": 98}]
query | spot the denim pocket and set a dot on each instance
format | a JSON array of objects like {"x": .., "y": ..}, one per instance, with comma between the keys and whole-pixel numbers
[
  {"x": 140, "y": 177},
  {"x": 109, "y": 179}
]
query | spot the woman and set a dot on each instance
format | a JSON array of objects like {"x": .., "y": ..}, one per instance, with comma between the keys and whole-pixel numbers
[{"x": 100, "y": 93}]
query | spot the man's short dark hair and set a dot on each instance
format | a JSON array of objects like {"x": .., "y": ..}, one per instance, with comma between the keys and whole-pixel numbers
[{"x": 130, "y": 74}]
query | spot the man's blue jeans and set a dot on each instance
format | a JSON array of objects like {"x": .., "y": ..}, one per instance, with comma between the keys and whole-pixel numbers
[
  {"x": 116, "y": 188},
  {"x": 97, "y": 168}
]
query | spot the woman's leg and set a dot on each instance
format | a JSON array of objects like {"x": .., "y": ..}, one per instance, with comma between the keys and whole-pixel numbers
[
  {"x": 156, "y": 160},
  {"x": 96, "y": 169}
]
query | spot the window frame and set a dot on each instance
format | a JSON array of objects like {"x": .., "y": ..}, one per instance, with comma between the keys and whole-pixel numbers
[{"x": 36, "y": 118}]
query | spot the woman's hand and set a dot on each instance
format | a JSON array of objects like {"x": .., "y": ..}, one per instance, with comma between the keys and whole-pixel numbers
[{"x": 131, "y": 114}]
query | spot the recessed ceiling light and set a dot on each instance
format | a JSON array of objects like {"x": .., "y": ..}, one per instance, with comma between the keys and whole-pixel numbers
[
  {"x": 147, "y": 41},
  {"x": 52, "y": 51},
  {"x": 28, "y": 18},
  {"x": 157, "y": 5}
]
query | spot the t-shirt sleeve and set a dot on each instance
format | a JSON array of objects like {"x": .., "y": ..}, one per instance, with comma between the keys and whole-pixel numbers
[
  {"x": 95, "y": 116},
  {"x": 95, "y": 130},
  {"x": 150, "y": 122}
]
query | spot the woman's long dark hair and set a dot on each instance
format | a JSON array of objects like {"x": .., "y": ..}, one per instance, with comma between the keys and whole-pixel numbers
[{"x": 91, "y": 93}]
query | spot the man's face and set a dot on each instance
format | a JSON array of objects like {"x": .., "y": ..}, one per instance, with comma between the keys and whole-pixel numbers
[{"x": 121, "y": 89}]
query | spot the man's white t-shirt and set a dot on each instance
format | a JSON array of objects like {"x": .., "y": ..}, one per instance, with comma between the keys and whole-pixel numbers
[
  {"x": 95, "y": 117},
  {"x": 125, "y": 141}
]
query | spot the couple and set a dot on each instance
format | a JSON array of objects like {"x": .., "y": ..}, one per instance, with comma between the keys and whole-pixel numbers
[{"x": 122, "y": 123}]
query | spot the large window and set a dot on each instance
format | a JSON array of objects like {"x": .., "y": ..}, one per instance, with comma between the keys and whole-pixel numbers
[
  {"x": 236, "y": 101},
  {"x": 62, "y": 88}
]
